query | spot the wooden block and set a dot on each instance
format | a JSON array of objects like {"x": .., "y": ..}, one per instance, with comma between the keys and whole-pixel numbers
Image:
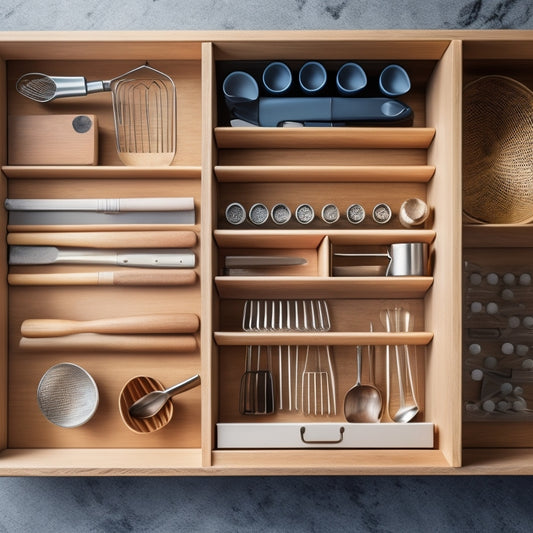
[{"x": 53, "y": 140}]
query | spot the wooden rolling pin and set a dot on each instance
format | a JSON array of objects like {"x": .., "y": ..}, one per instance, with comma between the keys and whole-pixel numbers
[
  {"x": 88, "y": 342},
  {"x": 107, "y": 239},
  {"x": 155, "y": 323},
  {"x": 131, "y": 276}
]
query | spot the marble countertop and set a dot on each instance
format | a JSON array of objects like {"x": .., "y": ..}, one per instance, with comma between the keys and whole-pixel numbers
[
  {"x": 264, "y": 14},
  {"x": 274, "y": 504}
]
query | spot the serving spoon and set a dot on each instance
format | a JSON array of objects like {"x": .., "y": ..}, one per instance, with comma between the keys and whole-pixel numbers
[
  {"x": 362, "y": 403},
  {"x": 151, "y": 403}
]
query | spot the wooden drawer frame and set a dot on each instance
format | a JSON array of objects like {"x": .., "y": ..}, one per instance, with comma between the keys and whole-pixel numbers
[{"x": 211, "y": 159}]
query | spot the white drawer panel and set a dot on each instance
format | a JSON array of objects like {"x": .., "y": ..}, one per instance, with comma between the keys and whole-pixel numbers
[{"x": 325, "y": 435}]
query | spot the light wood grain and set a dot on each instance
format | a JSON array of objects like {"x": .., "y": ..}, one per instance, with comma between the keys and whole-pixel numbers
[
  {"x": 213, "y": 164},
  {"x": 52, "y": 140},
  {"x": 90, "y": 239},
  {"x": 160, "y": 323}
]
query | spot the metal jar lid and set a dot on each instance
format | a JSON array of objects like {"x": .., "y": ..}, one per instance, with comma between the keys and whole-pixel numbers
[
  {"x": 305, "y": 214},
  {"x": 280, "y": 214},
  {"x": 258, "y": 214},
  {"x": 355, "y": 213},
  {"x": 235, "y": 214},
  {"x": 382, "y": 213},
  {"x": 330, "y": 213}
]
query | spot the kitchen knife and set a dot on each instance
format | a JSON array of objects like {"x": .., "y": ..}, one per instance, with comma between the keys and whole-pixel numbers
[
  {"x": 47, "y": 255},
  {"x": 261, "y": 261},
  {"x": 101, "y": 205},
  {"x": 22, "y": 219}
]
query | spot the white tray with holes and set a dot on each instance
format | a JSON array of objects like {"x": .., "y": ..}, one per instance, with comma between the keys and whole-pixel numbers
[{"x": 325, "y": 435}]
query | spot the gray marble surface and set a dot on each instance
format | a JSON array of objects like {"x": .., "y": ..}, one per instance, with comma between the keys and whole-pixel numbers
[{"x": 276, "y": 504}]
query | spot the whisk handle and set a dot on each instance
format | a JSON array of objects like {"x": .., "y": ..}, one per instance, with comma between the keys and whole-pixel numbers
[{"x": 74, "y": 86}]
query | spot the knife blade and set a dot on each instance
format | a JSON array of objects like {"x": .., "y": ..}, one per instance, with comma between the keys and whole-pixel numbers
[
  {"x": 261, "y": 261},
  {"x": 100, "y": 205}
]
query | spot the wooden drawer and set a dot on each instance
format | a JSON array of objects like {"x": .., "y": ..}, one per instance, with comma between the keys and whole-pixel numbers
[{"x": 217, "y": 165}]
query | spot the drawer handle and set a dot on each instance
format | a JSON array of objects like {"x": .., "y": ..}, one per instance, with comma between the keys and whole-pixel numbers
[{"x": 341, "y": 436}]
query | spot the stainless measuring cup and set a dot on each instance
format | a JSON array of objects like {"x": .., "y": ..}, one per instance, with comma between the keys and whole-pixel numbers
[{"x": 405, "y": 258}]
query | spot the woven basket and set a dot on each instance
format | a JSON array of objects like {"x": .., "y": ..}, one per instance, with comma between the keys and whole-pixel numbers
[{"x": 498, "y": 151}]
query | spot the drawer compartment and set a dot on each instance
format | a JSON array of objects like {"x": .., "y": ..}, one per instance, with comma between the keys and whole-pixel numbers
[
  {"x": 317, "y": 435},
  {"x": 342, "y": 167}
]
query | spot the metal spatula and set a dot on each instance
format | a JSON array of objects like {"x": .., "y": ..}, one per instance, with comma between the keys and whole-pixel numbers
[{"x": 257, "y": 384}]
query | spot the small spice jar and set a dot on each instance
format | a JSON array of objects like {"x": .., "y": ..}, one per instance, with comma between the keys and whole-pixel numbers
[
  {"x": 235, "y": 214},
  {"x": 330, "y": 213},
  {"x": 280, "y": 214},
  {"x": 258, "y": 214},
  {"x": 305, "y": 214},
  {"x": 381, "y": 213},
  {"x": 355, "y": 213}
]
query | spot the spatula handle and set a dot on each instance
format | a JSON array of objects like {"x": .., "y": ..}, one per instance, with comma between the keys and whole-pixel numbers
[
  {"x": 107, "y": 239},
  {"x": 129, "y": 277}
]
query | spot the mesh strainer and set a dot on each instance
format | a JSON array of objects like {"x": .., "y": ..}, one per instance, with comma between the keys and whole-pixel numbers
[
  {"x": 67, "y": 395},
  {"x": 498, "y": 151}
]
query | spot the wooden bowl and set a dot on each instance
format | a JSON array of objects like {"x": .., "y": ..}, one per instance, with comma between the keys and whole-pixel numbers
[{"x": 134, "y": 389}]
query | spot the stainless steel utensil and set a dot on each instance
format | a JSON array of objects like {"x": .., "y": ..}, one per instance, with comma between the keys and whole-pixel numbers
[
  {"x": 101, "y": 205},
  {"x": 47, "y": 255},
  {"x": 398, "y": 320},
  {"x": 286, "y": 315},
  {"x": 362, "y": 403},
  {"x": 405, "y": 258},
  {"x": 154, "y": 401},
  {"x": 257, "y": 384},
  {"x": 261, "y": 261},
  {"x": 318, "y": 390},
  {"x": 407, "y": 410},
  {"x": 67, "y": 395},
  {"x": 144, "y": 107},
  {"x": 44, "y": 88}
]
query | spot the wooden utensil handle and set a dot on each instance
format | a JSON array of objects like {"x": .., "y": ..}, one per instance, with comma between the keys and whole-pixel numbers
[
  {"x": 111, "y": 343},
  {"x": 157, "y": 323},
  {"x": 126, "y": 277},
  {"x": 107, "y": 239}
]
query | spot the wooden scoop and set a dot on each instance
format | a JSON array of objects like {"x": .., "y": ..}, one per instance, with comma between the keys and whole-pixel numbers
[{"x": 157, "y": 323}]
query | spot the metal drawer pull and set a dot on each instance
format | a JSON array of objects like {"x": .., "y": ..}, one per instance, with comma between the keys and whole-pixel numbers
[{"x": 341, "y": 436}]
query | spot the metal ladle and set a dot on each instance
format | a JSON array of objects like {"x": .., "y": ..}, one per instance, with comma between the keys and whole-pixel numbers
[
  {"x": 362, "y": 403},
  {"x": 405, "y": 412},
  {"x": 150, "y": 404}
]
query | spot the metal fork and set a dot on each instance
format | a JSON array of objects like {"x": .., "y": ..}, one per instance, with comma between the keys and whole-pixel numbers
[{"x": 287, "y": 315}]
